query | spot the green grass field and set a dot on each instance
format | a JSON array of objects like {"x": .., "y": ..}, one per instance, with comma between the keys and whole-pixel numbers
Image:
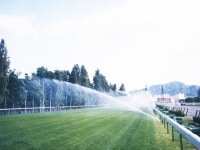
[{"x": 85, "y": 129}]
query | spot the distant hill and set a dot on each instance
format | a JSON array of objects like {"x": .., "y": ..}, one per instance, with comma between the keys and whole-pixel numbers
[{"x": 172, "y": 88}]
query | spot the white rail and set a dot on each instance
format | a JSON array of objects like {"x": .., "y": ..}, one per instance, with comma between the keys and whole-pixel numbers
[
  {"x": 29, "y": 108},
  {"x": 191, "y": 137}
]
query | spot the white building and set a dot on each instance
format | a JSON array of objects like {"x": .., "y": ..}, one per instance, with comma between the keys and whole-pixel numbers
[{"x": 169, "y": 99}]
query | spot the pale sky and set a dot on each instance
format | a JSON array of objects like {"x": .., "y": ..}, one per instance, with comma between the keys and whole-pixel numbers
[{"x": 137, "y": 42}]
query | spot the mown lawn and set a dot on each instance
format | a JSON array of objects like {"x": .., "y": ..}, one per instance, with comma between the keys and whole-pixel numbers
[{"x": 85, "y": 129}]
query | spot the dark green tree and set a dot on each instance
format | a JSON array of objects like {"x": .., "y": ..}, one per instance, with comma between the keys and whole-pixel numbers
[
  {"x": 97, "y": 80},
  {"x": 114, "y": 87},
  {"x": 104, "y": 84},
  {"x": 122, "y": 87},
  {"x": 50, "y": 75},
  {"x": 66, "y": 75},
  {"x": 4, "y": 68},
  {"x": 84, "y": 77},
  {"x": 100, "y": 82},
  {"x": 17, "y": 91},
  {"x": 58, "y": 75},
  {"x": 75, "y": 75},
  {"x": 42, "y": 72}
]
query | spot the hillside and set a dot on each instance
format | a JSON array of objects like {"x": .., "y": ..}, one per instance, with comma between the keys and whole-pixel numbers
[{"x": 172, "y": 88}]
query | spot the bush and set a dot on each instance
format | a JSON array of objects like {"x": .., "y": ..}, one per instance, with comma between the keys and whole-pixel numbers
[
  {"x": 192, "y": 100},
  {"x": 160, "y": 106},
  {"x": 196, "y": 120},
  {"x": 178, "y": 113},
  {"x": 166, "y": 109}
]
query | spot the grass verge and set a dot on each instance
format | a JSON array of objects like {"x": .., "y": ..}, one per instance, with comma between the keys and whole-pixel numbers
[{"x": 86, "y": 129}]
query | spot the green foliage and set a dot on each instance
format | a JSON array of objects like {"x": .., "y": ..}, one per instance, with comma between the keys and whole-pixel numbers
[
  {"x": 196, "y": 120},
  {"x": 35, "y": 91},
  {"x": 192, "y": 100},
  {"x": 178, "y": 113},
  {"x": 42, "y": 72},
  {"x": 113, "y": 87},
  {"x": 4, "y": 67},
  {"x": 166, "y": 109},
  {"x": 75, "y": 75},
  {"x": 65, "y": 75},
  {"x": 122, "y": 87},
  {"x": 100, "y": 82},
  {"x": 84, "y": 77},
  {"x": 160, "y": 106},
  {"x": 17, "y": 91}
]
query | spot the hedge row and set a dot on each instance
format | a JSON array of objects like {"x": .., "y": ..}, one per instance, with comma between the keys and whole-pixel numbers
[
  {"x": 196, "y": 120},
  {"x": 178, "y": 113}
]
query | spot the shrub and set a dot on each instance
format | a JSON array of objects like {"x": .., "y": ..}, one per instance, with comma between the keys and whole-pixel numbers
[
  {"x": 196, "y": 120},
  {"x": 160, "y": 106},
  {"x": 166, "y": 109},
  {"x": 177, "y": 113}
]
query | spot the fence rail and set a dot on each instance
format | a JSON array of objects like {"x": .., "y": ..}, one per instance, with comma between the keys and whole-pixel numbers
[
  {"x": 191, "y": 137},
  {"x": 11, "y": 111}
]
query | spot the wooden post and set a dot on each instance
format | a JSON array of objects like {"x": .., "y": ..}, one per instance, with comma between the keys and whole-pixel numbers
[
  {"x": 181, "y": 142},
  {"x": 196, "y": 113},
  {"x": 172, "y": 134},
  {"x": 167, "y": 128},
  {"x": 164, "y": 123}
]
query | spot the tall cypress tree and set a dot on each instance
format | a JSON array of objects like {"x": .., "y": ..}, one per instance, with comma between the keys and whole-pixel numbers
[
  {"x": 114, "y": 87},
  {"x": 97, "y": 81},
  {"x": 42, "y": 72},
  {"x": 122, "y": 87},
  {"x": 4, "y": 67},
  {"x": 75, "y": 75},
  {"x": 100, "y": 82},
  {"x": 17, "y": 91},
  {"x": 84, "y": 77},
  {"x": 66, "y": 75}
]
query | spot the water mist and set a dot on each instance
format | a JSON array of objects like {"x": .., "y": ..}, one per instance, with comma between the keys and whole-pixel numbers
[{"x": 57, "y": 93}]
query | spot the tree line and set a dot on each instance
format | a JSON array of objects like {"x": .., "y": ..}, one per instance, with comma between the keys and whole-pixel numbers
[
  {"x": 78, "y": 75},
  {"x": 42, "y": 88}
]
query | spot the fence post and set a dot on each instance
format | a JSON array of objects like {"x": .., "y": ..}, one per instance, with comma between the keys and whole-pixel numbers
[
  {"x": 186, "y": 112},
  {"x": 164, "y": 123},
  {"x": 199, "y": 113},
  {"x": 167, "y": 128},
  {"x": 172, "y": 134},
  {"x": 181, "y": 142},
  {"x": 196, "y": 113}
]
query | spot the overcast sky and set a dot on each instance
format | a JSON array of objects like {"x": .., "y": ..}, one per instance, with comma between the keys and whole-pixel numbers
[{"x": 137, "y": 42}]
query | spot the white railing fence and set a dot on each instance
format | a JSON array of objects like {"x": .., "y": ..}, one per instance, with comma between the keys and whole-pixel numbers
[
  {"x": 11, "y": 111},
  {"x": 191, "y": 137}
]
